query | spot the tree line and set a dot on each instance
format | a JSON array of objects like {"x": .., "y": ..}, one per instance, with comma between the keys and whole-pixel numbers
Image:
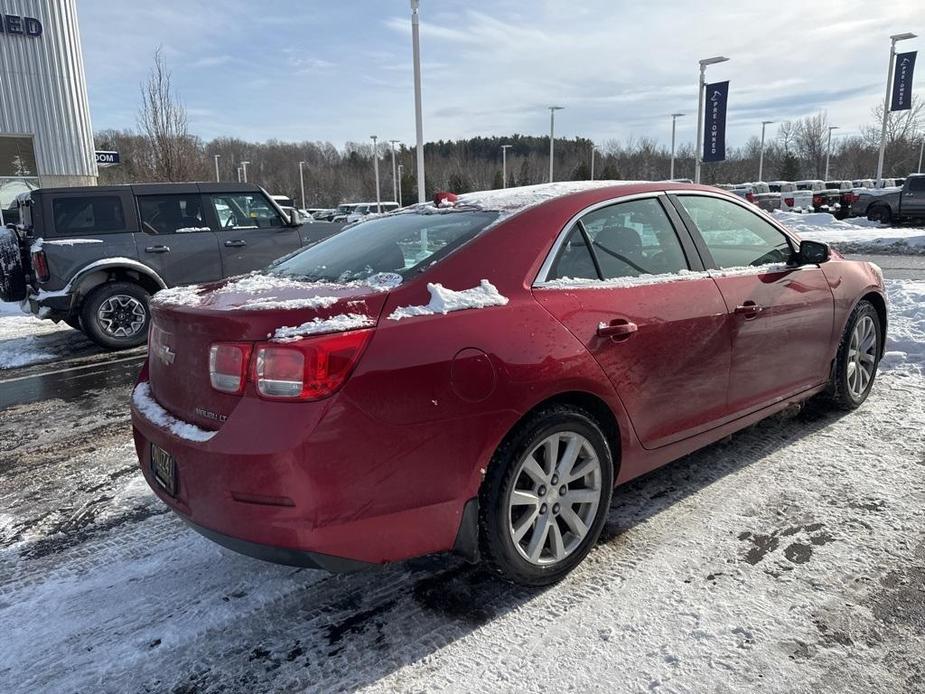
[{"x": 163, "y": 149}]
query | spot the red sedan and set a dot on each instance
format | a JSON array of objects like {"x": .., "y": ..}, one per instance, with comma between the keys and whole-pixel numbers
[{"x": 478, "y": 375}]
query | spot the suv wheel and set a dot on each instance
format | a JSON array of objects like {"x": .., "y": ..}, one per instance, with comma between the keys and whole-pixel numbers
[
  {"x": 546, "y": 496},
  {"x": 12, "y": 277},
  {"x": 115, "y": 315}
]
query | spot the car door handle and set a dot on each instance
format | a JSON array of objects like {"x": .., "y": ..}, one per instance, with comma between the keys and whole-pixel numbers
[
  {"x": 236, "y": 243},
  {"x": 619, "y": 329},
  {"x": 749, "y": 309},
  {"x": 157, "y": 249}
]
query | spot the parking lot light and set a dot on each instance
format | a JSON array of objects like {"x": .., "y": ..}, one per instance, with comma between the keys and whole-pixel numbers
[
  {"x": 828, "y": 151},
  {"x": 886, "y": 101},
  {"x": 244, "y": 169},
  {"x": 418, "y": 117},
  {"x": 698, "y": 160},
  {"x": 394, "y": 170},
  {"x": 674, "y": 120},
  {"x": 552, "y": 135},
  {"x": 217, "y": 177},
  {"x": 375, "y": 139},
  {"x": 764, "y": 124},
  {"x": 302, "y": 182},
  {"x": 504, "y": 149}
]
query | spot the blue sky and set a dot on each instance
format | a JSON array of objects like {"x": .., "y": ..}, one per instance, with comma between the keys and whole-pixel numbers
[{"x": 341, "y": 71}]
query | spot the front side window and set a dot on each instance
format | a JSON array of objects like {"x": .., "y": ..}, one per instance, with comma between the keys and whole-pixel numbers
[
  {"x": 402, "y": 244},
  {"x": 735, "y": 236},
  {"x": 88, "y": 214},
  {"x": 917, "y": 184},
  {"x": 169, "y": 214},
  {"x": 245, "y": 211}
]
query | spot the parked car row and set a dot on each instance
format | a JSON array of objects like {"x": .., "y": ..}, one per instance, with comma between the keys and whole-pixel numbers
[
  {"x": 896, "y": 204},
  {"x": 350, "y": 212}
]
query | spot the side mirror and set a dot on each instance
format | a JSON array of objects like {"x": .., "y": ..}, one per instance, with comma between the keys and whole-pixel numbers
[
  {"x": 812, "y": 253},
  {"x": 295, "y": 217}
]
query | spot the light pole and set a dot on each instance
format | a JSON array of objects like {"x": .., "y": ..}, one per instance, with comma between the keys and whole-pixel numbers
[
  {"x": 828, "y": 151},
  {"x": 374, "y": 138},
  {"x": 239, "y": 174},
  {"x": 400, "y": 169},
  {"x": 886, "y": 101},
  {"x": 244, "y": 168},
  {"x": 418, "y": 118},
  {"x": 504, "y": 149},
  {"x": 394, "y": 175},
  {"x": 302, "y": 182},
  {"x": 217, "y": 178},
  {"x": 674, "y": 122},
  {"x": 764, "y": 124},
  {"x": 593, "y": 150},
  {"x": 552, "y": 135},
  {"x": 921, "y": 152},
  {"x": 698, "y": 160}
]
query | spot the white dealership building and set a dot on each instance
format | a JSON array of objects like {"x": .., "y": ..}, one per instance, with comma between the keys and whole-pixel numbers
[{"x": 45, "y": 134}]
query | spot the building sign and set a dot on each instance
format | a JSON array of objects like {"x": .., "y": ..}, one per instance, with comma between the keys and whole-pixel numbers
[
  {"x": 902, "y": 81},
  {"x": 714, "y": 134},
  {"x": 13, "y": 24},
  {"x": 107, "y": 158}
]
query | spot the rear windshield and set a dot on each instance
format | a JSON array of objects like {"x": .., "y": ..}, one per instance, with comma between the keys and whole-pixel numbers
[{"x": 403, "y": 244}]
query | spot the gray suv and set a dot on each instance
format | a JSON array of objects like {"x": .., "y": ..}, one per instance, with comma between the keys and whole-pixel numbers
[{"x": 93, "y": 256}]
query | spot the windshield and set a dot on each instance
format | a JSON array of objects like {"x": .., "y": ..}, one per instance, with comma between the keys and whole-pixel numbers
[
  {"x": 403, "y": 244},
  {"x": 345, "y": 208}
]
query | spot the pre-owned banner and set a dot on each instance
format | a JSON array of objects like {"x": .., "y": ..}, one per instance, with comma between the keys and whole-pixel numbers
[
  {"x": 902, "y": 81},
  {"x": 714, "y": 118}
]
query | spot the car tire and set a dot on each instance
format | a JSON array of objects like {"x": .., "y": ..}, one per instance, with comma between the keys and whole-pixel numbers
[
  {"x": 880, "y": 213},
  {"x": 857, "y": 359},
  {"x": 534, "y": 528},
  {"x": 115, "y": 315},
  {"x": 12, "y": 275}
]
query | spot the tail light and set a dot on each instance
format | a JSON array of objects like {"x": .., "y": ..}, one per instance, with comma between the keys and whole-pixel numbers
[
  {"x": 789, "y": 201},
  {"x": 818, "y": 201},
  {"x": 750, "y": 197},
  {"x": 40, "y": 265},
  {"x": 851, "y": 197},
  {"x": 228, "y": 363},
  {"x": 308, "y": 369}
]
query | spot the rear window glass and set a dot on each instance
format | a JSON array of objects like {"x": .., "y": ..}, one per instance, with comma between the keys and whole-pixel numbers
[
  {"x": 917, "y": 184},
  {"x": 403, "y": 244},
  {"x": 93, "y": 214}
]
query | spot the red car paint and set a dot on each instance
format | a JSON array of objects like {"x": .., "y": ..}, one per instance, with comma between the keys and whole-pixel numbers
[{"x": 381, "y": 470}]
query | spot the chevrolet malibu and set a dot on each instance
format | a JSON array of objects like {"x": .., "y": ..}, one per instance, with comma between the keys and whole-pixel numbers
[{"x": 477, "y": 375}]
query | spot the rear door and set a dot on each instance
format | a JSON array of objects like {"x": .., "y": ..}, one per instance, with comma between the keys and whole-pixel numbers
[
  {"x": 780, "y": 317},
  {"x": 251, "y": 232},
  {"x": 618, "y": 284},
  {"x": 176, "y": 238}
]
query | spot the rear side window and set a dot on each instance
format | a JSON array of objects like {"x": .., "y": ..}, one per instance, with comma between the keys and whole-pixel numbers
[
  {"x": 575, "y": 260},
  {"x": 736, "y": 237},
  {"x": 169, "y": 214},
  {"x": 917, "y": 185},
  {"x": 245, "y": 211},
  {"x": 94, "y": 214}
]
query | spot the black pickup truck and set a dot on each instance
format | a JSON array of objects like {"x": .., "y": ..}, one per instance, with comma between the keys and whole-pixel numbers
[
  {"x": 93, "y": 256},
  {"x": 893, "y": 205}
]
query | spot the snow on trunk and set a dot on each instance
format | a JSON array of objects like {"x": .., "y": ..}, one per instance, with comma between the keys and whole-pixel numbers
[{"x": 443, "y": 300}]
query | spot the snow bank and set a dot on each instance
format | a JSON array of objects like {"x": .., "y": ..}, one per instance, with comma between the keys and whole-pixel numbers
[
  {"x": 154, "y": 413},
  {"x": 26, "y": 340},
  {"x": 855, "y": 235},
  {"x": 317, "y": 326},
  {"x": 905, "y": 344},
  {"x": 443, "y": 300}
]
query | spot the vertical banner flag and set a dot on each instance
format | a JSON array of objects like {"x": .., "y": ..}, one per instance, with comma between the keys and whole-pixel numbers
[
  {"x": 714, "y": 134},
  {"x": 902, "y": 81}
]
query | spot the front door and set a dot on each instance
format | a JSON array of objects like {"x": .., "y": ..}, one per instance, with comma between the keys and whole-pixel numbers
[
  {"x": 780, "y": 317},
  {"x": 177, "y": 240},
  {"x": 913, "y": 198},
  {"x": 252, "y": 234},
  {"x": 618, "y": 285}
]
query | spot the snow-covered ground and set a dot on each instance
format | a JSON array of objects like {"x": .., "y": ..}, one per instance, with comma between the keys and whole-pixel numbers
[
  {"x": 855, "y": 235},
  {"x": 25, "y": 339},
  {"x": 789, "y": 558}
]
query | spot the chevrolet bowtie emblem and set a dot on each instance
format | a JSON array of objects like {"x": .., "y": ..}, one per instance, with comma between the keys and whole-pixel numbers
[{"x": 166, "y": 355}]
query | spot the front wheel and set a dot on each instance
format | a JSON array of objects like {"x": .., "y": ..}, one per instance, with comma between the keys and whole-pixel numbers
[
  {"x": 115, "y": 315},
  {"x": 857, "y": 359},
  {"x": 546, "y": 496}
]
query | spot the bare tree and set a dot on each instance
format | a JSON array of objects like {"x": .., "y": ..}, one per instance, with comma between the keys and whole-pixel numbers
[{"x": 174, "y": 154}]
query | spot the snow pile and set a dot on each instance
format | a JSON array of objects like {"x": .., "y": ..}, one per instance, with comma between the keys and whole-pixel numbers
[
  {"x": 905, "y": 344},
  {"x": 855, "y": 235},
  {"x": 146, "y": 405},
  {"x": 189, "y": 295},
  {"x": 443, "y": 300},
  {"x": 25, "y": 339},
  {"x": 316, "y": 326}
]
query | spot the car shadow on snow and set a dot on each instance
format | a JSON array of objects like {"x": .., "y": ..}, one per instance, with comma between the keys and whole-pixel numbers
[{"x": 362, "y": 627}]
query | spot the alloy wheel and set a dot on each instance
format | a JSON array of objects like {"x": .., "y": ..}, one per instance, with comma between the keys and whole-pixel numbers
[
  {"x": 554, "y": 498},
  {"x": 121, "y": 315},
  {"x": 862, "y": 356}
]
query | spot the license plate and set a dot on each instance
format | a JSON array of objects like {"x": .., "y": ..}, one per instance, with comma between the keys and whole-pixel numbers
[{"x": 164, "y": 469}]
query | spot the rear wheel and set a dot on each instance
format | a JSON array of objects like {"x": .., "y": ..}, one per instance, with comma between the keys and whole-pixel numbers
[
  {"x": 12, "y": 275},
  {"x": 115, "y": 315},
  {"x": 857, "y": 359},
  {"x": 880, "y": 213},
  {"x": 546, "y": 496}
]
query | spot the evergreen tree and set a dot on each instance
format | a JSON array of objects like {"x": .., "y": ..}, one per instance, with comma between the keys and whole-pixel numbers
[
  {"x": 498, "y": 181},
  {"x": 582, "y": 172},
  {"x": 789, "y": 169}
]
